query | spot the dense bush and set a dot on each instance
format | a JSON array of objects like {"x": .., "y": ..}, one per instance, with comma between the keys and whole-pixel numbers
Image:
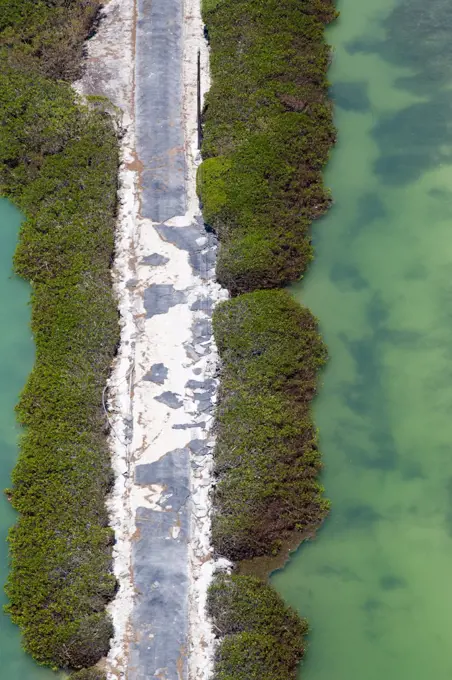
[
  {"x": 58, "y": 163},
  {"x": 38, "y": 118},
  {"x": 267, "y": 134},
  {"x": 266, "y": 455},
  {"x": 45, "y": 36},
  {"x": 245, "y": 603},
  {"x": 61, "y": 547},
  {"x": 89, "y": 674},
  {"x": 261, "y": 638}
]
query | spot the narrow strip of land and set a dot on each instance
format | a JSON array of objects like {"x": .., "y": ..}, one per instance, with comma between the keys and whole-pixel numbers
[
  {"x": 173, "y": 387},
  {"x": 163, "y": 386}
]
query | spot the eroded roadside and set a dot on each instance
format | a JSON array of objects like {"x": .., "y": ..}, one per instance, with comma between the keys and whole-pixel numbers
[{"x": 162, "y": 390}]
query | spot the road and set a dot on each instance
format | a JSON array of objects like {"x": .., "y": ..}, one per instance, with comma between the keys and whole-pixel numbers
[{"x": 174, "y": 387}]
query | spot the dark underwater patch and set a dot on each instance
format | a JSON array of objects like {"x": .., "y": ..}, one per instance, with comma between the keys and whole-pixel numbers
[
  {"x": 363, "y": 352},
  {"x": 347, "y": 276},
  {"x": 363, "y": 45},
  {"x": 402, "y": 338},
  {"x": 416, "y": 272},
  {"x": 370, "y": 208},
  {"x": 377, "y": 311},
  {"x": 411, "y": 140},
  {"x": 399, "y": 169},
  {"x": 440, "y": 194},
  {"x": 385, "y": 448},
  {"x": 418, "y": 36},
  {"x": 412, "y": 470},
  {"x": 371, "y": 605},
  {"x": 391, "y": 582},
  {"x": 344, "y": 573},
  {"x": 351, "y": 96},
  {"x": 356, "y": 397},
  {"x": 448, "y": 514},
  {"x": 361, "y": 516}
]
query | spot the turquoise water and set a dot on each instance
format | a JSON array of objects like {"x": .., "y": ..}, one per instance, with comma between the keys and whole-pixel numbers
[
  {"x": 16, "y": 359},
  {"x": 376, "y": 583}
]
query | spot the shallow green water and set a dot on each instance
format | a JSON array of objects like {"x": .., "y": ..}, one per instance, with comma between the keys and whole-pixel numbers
[
  {"x": 16, "y": 359},
  {"x": 376, "y": 583}
]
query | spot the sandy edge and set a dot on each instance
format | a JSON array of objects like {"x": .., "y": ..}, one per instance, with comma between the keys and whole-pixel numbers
[
  {"x": 202, "y": 565},
  {"x": 110, "y": 71}
]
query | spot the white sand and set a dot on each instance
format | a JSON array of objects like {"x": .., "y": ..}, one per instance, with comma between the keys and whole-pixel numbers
[
  {"x": 202, "y": 564},
  {"x": 110, "y": 72}
]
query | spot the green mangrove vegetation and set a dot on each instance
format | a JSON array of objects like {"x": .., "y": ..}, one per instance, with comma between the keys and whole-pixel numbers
[
  {"x": 89, "y": 674},
  {"x": 58, "y": 164},
  {"x": 264, "y": 637},
  {"x": 267, "y": 132},
  {"x": 266, "y": 454},
  {"x": 46, "y": 37}
]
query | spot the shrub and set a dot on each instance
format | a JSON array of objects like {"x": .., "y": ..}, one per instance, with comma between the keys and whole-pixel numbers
[
  {"x": 89, "y": 674},
  {"x": 266, "y": 456},
  {"x": 46, "y": 36},
  {"x": 267, "y": 134},
  {"x": 260, "y": 636},
  {"x": 245, "y": 603},
  {"x": 58, "y": 162}
]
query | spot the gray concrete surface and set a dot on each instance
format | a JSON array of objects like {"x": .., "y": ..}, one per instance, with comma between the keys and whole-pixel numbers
[
  {"x": 160, "y": 574},
  {"x": 159, "y": 297},
  {"x": 171, "y": 399},
  {"x": 160, "y": 549},
  {"x": 160, "y": 554},
  {"x": 160, "y": 137},
  {"x": 155, "y": 260},
  {"x": 200, "y": 245},
  {"x": 158, "y": 373}
]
